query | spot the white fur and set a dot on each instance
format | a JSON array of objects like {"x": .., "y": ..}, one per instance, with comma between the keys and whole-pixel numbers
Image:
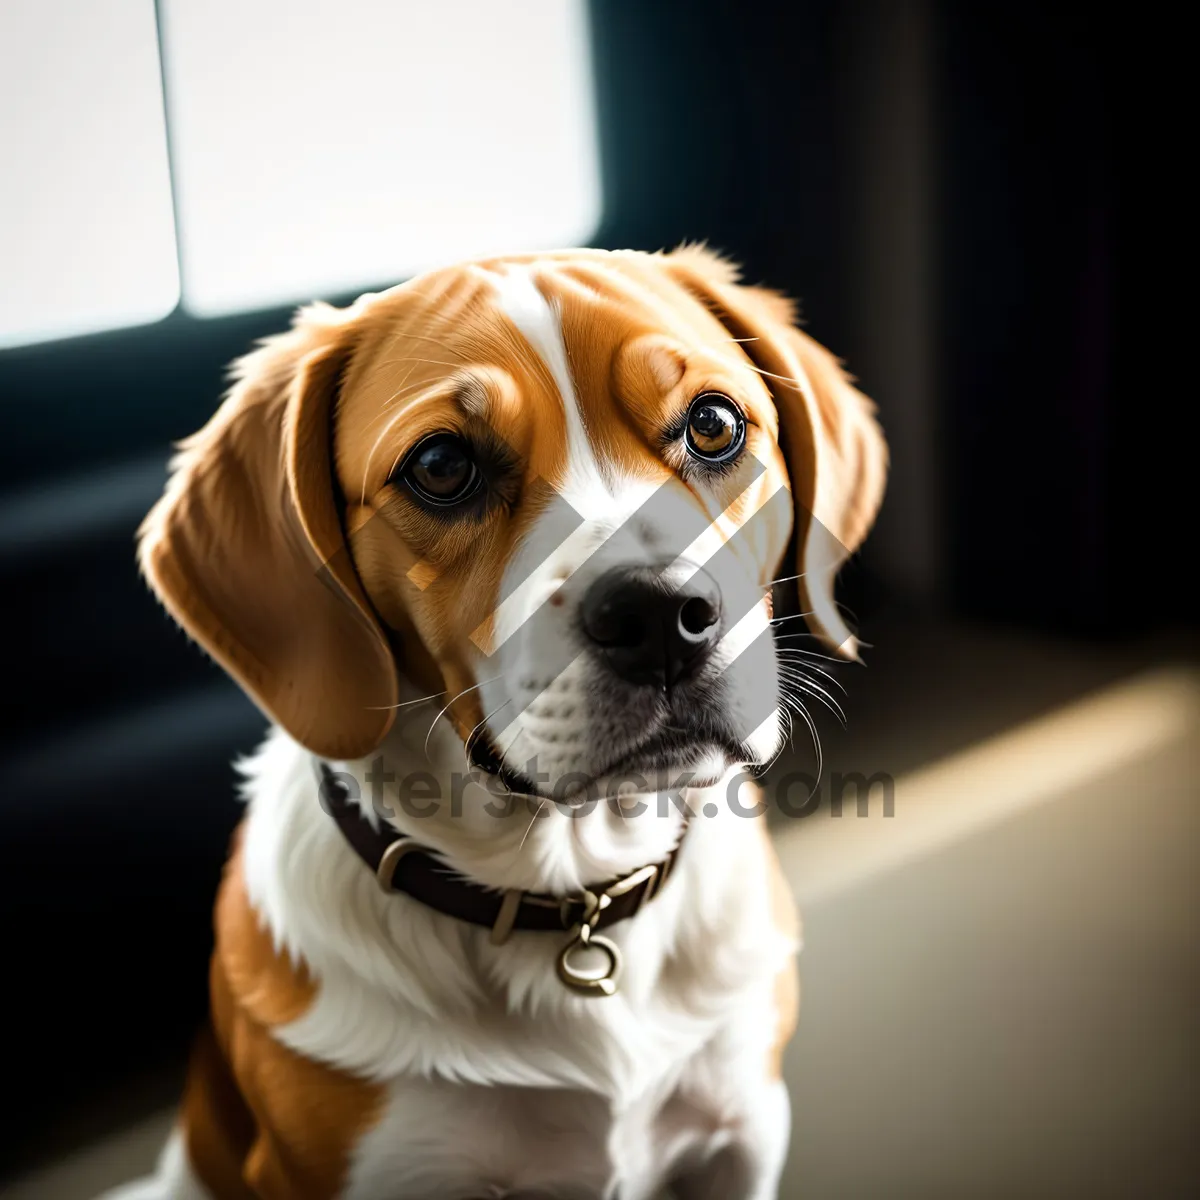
[
  {"x": 483, "y": 1050},
  {"x": 540, "y": 323}
]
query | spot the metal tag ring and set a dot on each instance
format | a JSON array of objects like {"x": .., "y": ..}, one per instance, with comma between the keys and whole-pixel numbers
[{"x": 590, "y": 985}]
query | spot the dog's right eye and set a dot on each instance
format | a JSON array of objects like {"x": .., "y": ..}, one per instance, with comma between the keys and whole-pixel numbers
[{"x": 441, "y": 469}]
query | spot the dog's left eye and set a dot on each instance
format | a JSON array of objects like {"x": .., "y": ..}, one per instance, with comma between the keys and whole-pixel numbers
[
  {"x": 441, "y": 469},
  {"x": 716, "y": 428}
]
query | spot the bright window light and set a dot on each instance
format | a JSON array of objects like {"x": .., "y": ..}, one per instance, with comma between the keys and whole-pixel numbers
[
  {"x": 319, "y": 148},
  {"x": 87, "y": 238}
]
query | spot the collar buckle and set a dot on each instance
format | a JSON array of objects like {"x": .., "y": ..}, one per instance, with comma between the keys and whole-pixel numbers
[{"x": 385, "y": 873}]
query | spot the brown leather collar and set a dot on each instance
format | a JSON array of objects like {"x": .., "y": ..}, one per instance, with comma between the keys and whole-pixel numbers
[{"x": 402, "y": 864}]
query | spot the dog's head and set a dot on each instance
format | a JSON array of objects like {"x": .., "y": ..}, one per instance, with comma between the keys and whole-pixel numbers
[{"x": 558, "y": 489}]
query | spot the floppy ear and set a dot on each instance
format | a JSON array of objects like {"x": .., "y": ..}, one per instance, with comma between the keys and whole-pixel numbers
[
  {"x": 245, "y": 548},
  {"x": 836, "y": 455}
]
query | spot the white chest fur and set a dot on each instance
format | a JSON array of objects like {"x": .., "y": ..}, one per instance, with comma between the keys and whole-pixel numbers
[{"x": 500, "y": 1081}]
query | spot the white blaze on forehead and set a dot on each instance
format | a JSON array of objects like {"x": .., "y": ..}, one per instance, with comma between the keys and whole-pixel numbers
[
  {"x": 603, "y": 500},
  {"x": 540, "y": 323}
]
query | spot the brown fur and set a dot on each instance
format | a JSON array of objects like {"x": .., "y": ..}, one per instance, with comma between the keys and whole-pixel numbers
[{"x": 259, "y": 1120}]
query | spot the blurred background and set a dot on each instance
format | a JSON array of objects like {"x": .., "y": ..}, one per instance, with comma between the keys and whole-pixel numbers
[{"x": 1002, "y": 985}]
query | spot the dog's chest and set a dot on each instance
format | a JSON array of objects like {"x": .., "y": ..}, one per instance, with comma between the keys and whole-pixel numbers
[
  {"x": 462, "y": 1142},
  {"x": 498, "y": 1082},
  {"x": 448, "y": 1141}
]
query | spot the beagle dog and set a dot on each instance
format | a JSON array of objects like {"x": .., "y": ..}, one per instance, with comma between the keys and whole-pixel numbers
[{"x": 508, "y": 555}]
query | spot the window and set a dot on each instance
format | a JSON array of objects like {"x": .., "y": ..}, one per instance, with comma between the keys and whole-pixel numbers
[
  {"x": 87, "y": 239},
  {"x": 315, "y": 149},
  {"x": 320, "y": 148}
]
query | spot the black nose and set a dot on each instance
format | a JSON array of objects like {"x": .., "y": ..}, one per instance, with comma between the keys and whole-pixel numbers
[{"x": 649, "y": 631}]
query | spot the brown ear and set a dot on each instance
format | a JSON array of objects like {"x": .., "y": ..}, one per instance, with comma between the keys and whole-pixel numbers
[
  {"x": 245, "y": 548},
  {"x": 836, "y": 455}
]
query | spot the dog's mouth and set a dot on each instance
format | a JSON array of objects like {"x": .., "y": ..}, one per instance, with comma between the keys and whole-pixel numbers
[
  {"x": 673, "y": 760},
  {"x": 666, "y": 761}
]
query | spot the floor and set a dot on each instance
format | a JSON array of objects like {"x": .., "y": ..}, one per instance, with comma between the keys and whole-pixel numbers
[
  {"x": 1001, "y": 979},
  {"x": 1002, "y": 984}
]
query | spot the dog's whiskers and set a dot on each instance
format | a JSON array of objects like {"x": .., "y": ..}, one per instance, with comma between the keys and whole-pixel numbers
[
  {"x": 800, "y": 660},
  {"x": 529, "y": 827},
  {"x": 783, "y": 579},
  {"x": 784, "y": 637},
  {"x": 802, "y": 712},
  {"x": 475, "y": 732},
  {"x": 444, "y": 711},
  {"x": 791, "y": 617},
  {"x": 405, "y": 703},
  {"x": 808, "y": 686},
  {"x": 503, "y": 754},
  {"x": 784, "y": 743},
  {"x": 789, "y": 379}
]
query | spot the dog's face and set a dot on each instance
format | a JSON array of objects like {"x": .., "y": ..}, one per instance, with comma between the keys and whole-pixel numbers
[{"x": 558, "y": 489}]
